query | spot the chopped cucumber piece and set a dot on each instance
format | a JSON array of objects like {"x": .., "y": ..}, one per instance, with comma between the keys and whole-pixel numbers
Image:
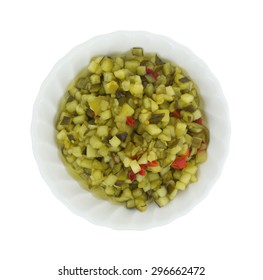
[
  {"x": 106, "y": 64},
  {"x": 111, "y": 87},
  {"x": 180, "y": 185},
  {"x": 162, "y": 201},
  {"x": 135, "y": 166},
  {"x": 153, "y": 129},
  {"x": 137, "y": 51},
  {"x": 201, "y": 156},
  {"x": 126, "y": 110},
  {"x": 95, "y": 142},
  {"x": 110, "y": 180},
  {"x": 91, "y": 152},
  {"x": 115, "y": 141}
]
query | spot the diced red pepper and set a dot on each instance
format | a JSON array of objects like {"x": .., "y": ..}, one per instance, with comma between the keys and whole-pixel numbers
[
  {"x": 130, "y": 121},
  {"x": 143, "y": 169},
  {"x": 155, "y": 75},
  {"x": 143, "y": 166},
  {"x": 179, "y": 163},
  {"x": 188, "y": 152},
  {"x": 176, "y": 113},
  {"x": 142, "y": 172},
  {"x": 151, "y": 72},
  {"x": 132, "y": 176},
  {"x": 152, "y": 163},
  {"x": 199, "y": 121}
]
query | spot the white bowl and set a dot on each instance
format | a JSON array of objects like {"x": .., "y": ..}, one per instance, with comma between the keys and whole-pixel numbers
[{"x": 68, "y": 190}]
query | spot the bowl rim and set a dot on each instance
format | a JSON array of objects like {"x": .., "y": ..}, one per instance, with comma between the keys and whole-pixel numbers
[{"x": 63, "y": 61}]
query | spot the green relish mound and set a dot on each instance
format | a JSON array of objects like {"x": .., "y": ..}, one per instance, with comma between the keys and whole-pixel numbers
[{"x": 130, "y": 129}]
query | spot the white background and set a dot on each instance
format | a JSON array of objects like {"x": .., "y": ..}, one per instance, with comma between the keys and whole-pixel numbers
[{"x": 223, "y": 233}]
